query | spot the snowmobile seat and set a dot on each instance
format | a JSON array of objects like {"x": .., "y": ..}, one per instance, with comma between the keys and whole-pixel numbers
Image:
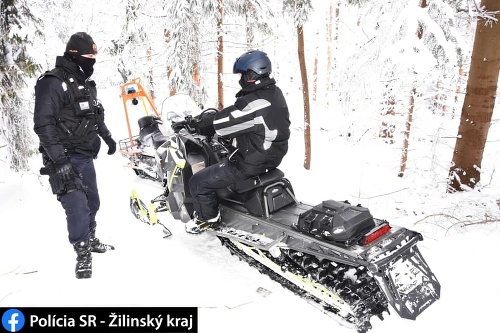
[
  {"x": 148, "y": 121},
  {"x": 148, "y": 126},
  {"x": 260, "y": 195},
  {"x": 264, "y": 179},
  {"x": 158, "y": 139}
]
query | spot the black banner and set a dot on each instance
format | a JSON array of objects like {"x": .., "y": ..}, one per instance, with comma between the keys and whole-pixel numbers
[{"x": 100, "y": 319}]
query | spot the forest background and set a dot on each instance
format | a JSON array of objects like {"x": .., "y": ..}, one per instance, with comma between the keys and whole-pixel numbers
[
  {"x": 386, "y": 90},
  {"x": 399, "y": 56}
]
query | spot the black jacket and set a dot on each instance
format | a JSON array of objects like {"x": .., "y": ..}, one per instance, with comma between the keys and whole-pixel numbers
[
  {"x": 259, "y": 121},
  {"x": 68, "y": 116}
]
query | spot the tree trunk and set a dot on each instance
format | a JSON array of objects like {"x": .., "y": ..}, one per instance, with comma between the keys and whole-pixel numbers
[
  {"x": 173, "y": 89},
  {"x": 315, "y": 77},
  {"x": 406, "y": 140},
  {"x": 220, "y": 58},
  {"x": 458, "y": 91},
  {"x": 151, "y": 81},
  {"x": 305, "y": 95},
  {"x": 409, "y": 119},
  {"x": 388, "y": 128},
  {"x": 249, "y": 25},
  {"x": 196, "y": 74},
  {"x": 329, "y": 33},
  {"x": 479, "y": 102}
]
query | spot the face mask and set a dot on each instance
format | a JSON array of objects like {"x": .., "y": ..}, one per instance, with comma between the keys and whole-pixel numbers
[
  {"x": 86, "y": 64},
  {"x": 243, "y": 82},
  {"x": 249, "y": 78}
]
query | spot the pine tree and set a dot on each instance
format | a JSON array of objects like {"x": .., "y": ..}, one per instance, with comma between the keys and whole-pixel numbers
[
  {"x": 257, "y": 15},
  {"x": 187, "y": 28},
  {"x": 136, "y": 55},
  {"x": 126, "y": 46},
  {"x": 410, "y": 61},
  {"x": 18, "y": 27}
]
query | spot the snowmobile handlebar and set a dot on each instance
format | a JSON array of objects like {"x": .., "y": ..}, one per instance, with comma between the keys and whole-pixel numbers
[{"x": 191, "y": 123}]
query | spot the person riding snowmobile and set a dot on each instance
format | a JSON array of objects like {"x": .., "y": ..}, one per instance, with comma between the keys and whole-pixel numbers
[{"x": 258, "y": 122}]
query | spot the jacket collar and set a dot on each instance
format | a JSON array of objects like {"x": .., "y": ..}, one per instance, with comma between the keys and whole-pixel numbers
[
  {"x": 70, "y": 67},
  {"x": 262, "y": 83}
]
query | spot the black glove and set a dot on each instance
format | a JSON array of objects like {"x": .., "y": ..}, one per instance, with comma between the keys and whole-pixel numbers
[
  {"x": 64, "y": 170},
  {"x": 205, "y": 125},
  {"x": 111, "y": 144}
]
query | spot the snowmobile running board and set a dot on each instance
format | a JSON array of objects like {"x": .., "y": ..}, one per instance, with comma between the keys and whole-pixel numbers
[{"x": 393, "y": 260}]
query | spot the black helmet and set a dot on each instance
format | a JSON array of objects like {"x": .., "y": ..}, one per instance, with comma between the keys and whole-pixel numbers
[
  {"x": 256, "y": 61},
  {"x": 252, "y": 66}
]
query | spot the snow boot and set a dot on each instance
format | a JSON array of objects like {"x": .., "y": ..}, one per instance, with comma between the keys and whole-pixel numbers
[
  {"x": 196, "y": 225},
  {"x": 83, "y": 269},
  {"x": 96, "y": 245}
]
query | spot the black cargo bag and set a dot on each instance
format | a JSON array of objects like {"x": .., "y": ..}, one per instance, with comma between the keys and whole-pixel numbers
[{"x": 336, "y": 221}]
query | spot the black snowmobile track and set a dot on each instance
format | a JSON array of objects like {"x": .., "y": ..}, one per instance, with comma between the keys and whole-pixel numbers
[{"x": 353, "y": 286}]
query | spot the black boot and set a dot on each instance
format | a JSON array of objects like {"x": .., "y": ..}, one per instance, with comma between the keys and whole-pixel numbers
[
  {"x": 83, "y": 269},
  {"x": 96, "y": 245}
]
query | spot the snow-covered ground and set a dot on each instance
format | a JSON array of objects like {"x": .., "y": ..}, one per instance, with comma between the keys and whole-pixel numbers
[{"x": 37, "y": 262}]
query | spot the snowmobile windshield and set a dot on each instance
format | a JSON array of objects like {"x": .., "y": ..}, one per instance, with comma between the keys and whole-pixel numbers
[{"x": 178, "y": 106}]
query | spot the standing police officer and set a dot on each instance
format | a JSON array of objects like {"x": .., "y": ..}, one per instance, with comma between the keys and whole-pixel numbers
[{"x": 68, "y": 120}]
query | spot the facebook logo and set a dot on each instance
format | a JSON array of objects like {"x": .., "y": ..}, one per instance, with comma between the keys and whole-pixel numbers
[{"x": 13, "y": 320}]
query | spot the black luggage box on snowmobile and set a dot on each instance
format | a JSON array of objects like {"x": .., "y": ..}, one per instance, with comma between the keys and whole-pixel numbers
[{"x": 336, "y": 221}]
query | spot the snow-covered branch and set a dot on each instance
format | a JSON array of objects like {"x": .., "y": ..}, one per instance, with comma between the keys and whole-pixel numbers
[{"x": 476, "y": 11}]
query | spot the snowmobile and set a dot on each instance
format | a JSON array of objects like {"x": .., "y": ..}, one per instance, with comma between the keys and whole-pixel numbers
[
  {"x": 140, "y": 150},
  {"x": 336, "y": 255}
]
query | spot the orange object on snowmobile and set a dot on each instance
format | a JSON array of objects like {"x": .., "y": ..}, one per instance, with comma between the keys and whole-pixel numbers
[{"x": 134, "y": 92}]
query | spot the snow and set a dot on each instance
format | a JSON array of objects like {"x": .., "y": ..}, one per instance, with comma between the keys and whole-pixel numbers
[{"x": 461, "y": 231}]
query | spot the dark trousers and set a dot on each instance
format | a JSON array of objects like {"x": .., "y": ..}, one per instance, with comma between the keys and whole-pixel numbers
[
  {"x": 204, "y": 184},
  {"x": 81, "y": 207}
]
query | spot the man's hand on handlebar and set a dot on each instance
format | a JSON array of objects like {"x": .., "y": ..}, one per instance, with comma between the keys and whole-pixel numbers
[
  {"x": 205, "y": 125},
  {"x": 202, "y": 124}
]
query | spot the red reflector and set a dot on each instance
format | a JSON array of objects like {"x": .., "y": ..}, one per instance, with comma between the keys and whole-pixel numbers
[{"x": 376, "y": 234}]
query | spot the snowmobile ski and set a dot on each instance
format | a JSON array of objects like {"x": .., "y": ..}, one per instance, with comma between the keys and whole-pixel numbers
[{"x": 146, "y": 215}]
